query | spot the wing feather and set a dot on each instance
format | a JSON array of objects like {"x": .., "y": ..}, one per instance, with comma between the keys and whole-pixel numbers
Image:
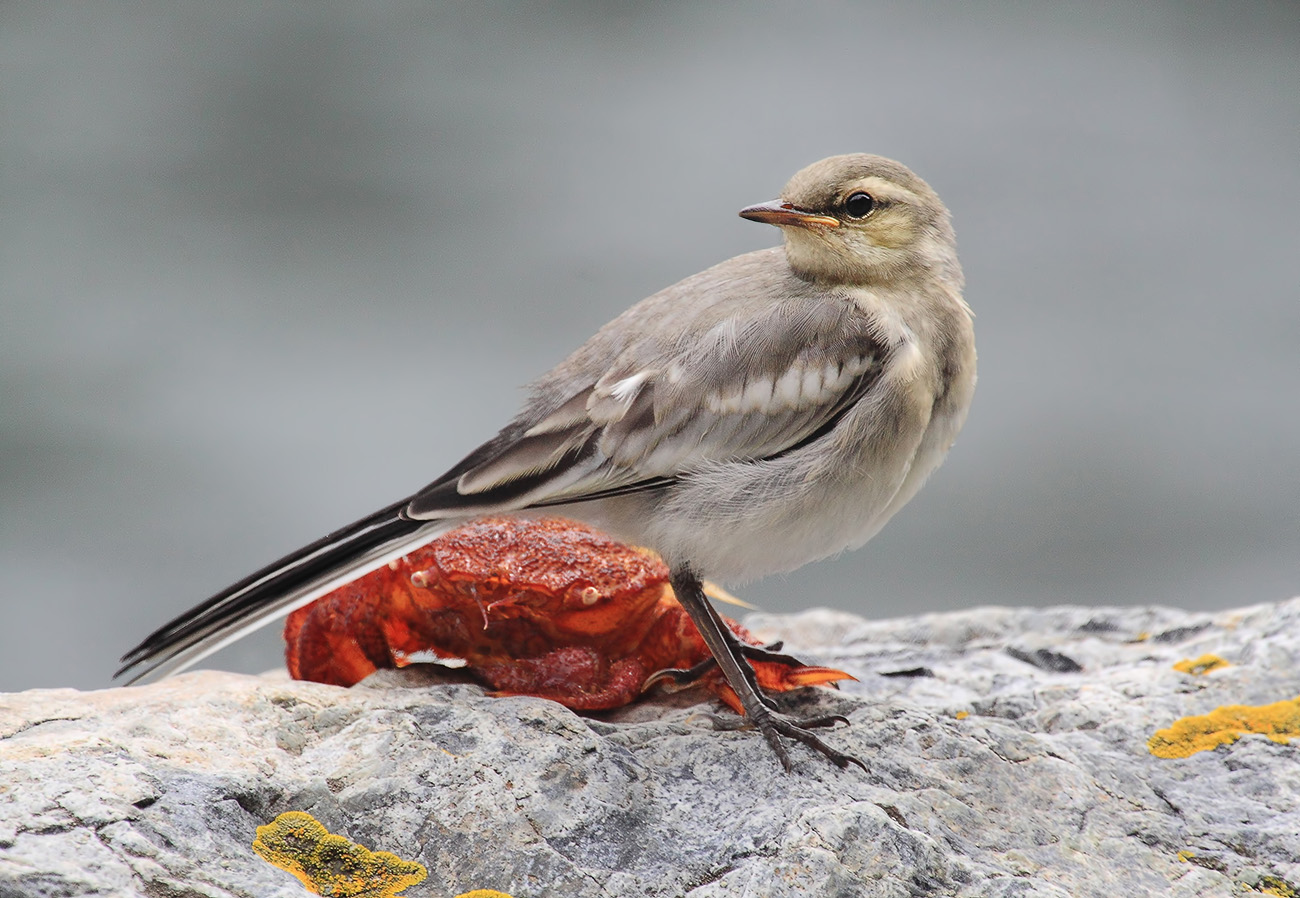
[{"x": 749, "y": 386}]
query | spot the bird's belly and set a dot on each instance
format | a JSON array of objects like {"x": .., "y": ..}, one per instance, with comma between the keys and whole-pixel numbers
[
  {"x": 778, "y": 535},
  {"x": 739, "y": 522}
]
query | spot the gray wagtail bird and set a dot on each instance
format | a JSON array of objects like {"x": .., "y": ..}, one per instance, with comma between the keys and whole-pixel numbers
[{"x": 773, "y": 410}]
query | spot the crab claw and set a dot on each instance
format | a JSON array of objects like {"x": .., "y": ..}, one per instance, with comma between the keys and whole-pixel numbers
[
  {"x": 781, "y": 678},
  {"x": 772, "y": 676}
]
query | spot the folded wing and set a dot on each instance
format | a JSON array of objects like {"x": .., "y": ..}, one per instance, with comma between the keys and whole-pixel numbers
[{"x": 748, "y": 387}]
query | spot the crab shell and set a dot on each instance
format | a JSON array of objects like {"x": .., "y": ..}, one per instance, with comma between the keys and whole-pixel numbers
[{"x": 545, "y": 607}]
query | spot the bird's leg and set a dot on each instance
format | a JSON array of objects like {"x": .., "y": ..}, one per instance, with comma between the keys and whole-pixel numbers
[
  {"x": 726, "y": 650},
  {"x": 735, "y": 649}
]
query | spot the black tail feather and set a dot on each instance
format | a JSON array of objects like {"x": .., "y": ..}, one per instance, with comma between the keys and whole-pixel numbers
[{"x": 259, "y": 592}]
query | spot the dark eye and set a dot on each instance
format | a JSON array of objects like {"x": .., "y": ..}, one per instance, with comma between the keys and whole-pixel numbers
[{"x": 859, "y": 205}]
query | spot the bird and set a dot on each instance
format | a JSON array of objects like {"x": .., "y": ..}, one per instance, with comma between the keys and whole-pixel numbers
[{"x": 770, "y": 411}]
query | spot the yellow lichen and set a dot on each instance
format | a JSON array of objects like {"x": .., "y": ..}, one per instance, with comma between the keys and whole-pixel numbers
[
  {"x": 1279, "y": 721},
  {"x": 483, "y": 893},
  {"x": 332, "y": 865},
  {"x": 962, "y": 715},
  {"x": 1201, "y": 665},
  {"x": 1276, "y": 885},
  {"x": 1186, "y": 856}
]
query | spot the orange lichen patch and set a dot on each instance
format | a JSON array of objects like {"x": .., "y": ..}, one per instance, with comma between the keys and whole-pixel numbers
[
  {"x": 1201, "y": 665},
  {"x": 484, "y": 893},
  {"x": 1279, "y": 721},
  {"x": 962, "y": 715},
  {"x": 332, "y": 865}
]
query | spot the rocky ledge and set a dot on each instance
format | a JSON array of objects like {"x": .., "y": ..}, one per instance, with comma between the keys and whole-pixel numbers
[{"x": 1058, "y": 752}]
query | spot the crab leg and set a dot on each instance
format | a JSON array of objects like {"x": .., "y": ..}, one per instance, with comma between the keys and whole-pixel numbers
[{"x": 799, "y": 673}]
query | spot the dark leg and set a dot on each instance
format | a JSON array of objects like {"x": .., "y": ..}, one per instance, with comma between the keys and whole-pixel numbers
[
  {"x": 760, "y": 710},
  {"x": 734, "y": 647}
]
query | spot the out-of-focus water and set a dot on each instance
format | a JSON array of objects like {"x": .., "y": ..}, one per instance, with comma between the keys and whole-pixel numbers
[{"x": 266, "y": 267}]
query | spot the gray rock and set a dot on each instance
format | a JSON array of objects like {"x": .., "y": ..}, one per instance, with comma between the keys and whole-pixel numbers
[{"x": 1043, "y": 786}]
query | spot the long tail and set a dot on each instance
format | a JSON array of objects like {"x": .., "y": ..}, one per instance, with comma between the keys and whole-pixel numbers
[{"x": 277, "y": 589}]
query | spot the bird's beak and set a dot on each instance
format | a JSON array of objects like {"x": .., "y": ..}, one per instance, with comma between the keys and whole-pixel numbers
[{"x": 786, "y": 215}]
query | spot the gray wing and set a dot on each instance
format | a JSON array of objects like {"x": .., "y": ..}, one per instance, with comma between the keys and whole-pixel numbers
[
  {"x": 705, "y": 370},
  {"x": 670, "y": 385}
]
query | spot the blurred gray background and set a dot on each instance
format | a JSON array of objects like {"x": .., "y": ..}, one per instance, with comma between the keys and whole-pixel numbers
[{"x": 266, "y": 267}]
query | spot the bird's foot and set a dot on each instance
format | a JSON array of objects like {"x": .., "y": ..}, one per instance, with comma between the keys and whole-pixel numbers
[
  {"x": 774, "y": 724},
  {"x": 746, "y": 694}
]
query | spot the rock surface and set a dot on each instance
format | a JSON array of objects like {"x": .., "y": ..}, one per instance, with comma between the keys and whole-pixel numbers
[{"x": 1007, "y": 748}]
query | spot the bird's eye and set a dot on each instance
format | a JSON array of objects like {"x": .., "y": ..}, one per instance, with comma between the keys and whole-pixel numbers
[{"x": 859, "y": 205}]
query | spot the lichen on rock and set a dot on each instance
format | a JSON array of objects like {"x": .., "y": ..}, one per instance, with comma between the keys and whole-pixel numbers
[
  {"x": 1201, "y": 666},
  {"x": 1279, "y": 721},
  {"x": 332, "y": 865},
  {"x": 989, "y": 777}
]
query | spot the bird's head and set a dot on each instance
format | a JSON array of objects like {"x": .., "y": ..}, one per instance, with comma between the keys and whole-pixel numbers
[{"x": 862, "y": 220}]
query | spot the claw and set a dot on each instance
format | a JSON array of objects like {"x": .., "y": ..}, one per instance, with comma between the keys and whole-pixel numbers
[
  {"x": 770, "y": 676},
  {"x": 774, "y": 725},
  {"x": 679, "y": 677},
  {"x": 827, "y": 720},
  {"x": 780, "y": 678}
]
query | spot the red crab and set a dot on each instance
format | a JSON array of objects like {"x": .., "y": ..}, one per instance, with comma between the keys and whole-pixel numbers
[{"x": 547, "y": 607}]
